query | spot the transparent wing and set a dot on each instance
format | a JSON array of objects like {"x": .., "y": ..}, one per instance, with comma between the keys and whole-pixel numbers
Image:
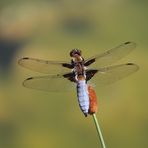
[
  {"x": 111, "y": 55},
  {"x": 112, "y": 74},
  {"x": 49, "y": 83},
  {"x": 43, "y": 66}
]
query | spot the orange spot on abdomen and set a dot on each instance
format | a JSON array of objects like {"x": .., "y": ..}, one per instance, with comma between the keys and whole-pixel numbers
[{"x": 93, "y": 105}]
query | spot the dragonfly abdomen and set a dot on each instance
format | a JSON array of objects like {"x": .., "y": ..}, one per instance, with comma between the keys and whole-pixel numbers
[{"x": 83, "y": 98}]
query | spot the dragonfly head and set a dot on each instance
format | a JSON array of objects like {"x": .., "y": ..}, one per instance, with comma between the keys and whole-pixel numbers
[{"x": 75, "y": 52}]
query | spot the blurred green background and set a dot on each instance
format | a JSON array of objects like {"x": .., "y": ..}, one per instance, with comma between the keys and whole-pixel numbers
[{"x": 49, "y": 30}]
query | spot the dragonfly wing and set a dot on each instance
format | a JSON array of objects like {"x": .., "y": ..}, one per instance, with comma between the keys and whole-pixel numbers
[
  {"x": 111, "y": 55},
  {"x": 43, "y": 66},
  {"x": 112, "y": 74},
  {"x": 49, "y": 83}
]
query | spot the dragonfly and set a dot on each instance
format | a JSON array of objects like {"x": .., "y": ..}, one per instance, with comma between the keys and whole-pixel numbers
[{"x": 61, "y": 75}]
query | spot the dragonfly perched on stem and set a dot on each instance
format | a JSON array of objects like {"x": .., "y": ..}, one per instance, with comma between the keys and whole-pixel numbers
[{"x": 63, "y": 74}]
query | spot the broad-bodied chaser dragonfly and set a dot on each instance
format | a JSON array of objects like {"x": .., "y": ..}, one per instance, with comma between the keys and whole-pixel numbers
[{"x": 80, "y": 71}]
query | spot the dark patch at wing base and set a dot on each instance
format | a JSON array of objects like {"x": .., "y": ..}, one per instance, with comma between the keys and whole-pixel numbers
[
  {"x": 89, "y": 62},
  {"x": 70, "y": 76},
  {"x": 90, "y": 74},
  {"x": 68, "y": 65}
]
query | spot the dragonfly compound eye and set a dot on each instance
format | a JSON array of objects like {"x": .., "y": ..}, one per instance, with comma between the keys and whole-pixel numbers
[{"x": 75, "y": 51}]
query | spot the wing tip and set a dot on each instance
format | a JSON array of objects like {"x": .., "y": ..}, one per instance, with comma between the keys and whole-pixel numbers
[
  {"x": 24, "y": 83},
  {"x": 20, "y": 60},
  {"x": 25, "y": 58},
  {"x": 29, "y": 78},
  {"x": 130, "y": 42},
  {"x": 130, "y": 64},
  {"x": 133, "y": 64}
]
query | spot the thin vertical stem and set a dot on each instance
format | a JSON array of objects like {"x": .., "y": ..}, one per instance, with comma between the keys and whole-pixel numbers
[{"x": 99, "y": 131}]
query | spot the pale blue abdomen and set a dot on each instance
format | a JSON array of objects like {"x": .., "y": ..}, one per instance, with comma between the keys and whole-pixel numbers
[{"x": 83, "y": 98}]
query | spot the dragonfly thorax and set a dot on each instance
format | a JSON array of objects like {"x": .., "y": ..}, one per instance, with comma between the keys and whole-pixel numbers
[{"x": 79, "y": 68}]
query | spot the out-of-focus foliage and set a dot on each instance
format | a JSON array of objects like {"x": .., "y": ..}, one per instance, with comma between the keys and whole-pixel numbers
[{"x": 49, "y": 30}]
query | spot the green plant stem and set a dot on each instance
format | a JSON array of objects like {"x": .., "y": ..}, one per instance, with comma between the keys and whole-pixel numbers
[{"x": 99, "y": 131}]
